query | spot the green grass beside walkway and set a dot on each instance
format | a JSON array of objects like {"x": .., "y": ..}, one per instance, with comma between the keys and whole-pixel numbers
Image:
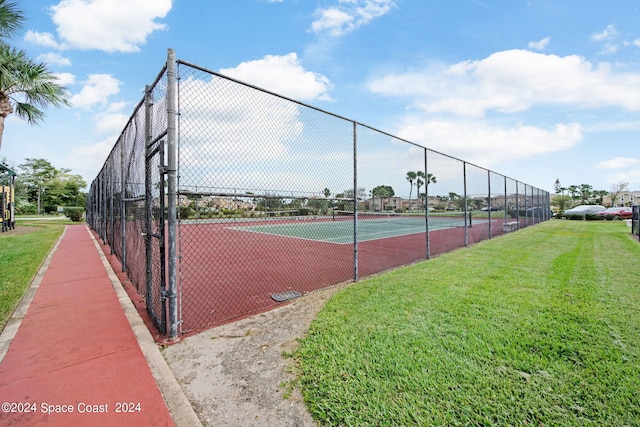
[
  {"x": 538, "y": 327},
  {"x": 22, "y": 251}
]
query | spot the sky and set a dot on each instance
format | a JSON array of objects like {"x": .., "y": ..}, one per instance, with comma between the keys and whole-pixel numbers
[{"x": 537, "y": 90}]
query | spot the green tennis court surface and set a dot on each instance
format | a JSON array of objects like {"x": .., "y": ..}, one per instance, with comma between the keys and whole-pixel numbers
[{"x": 340, "y": 229}]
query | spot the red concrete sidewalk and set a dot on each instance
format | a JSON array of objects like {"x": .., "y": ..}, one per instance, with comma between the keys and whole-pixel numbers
[{"x": 75, "y": 360}]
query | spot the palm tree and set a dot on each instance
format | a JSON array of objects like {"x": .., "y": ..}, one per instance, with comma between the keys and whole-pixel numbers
[
  {"x": 26, "y": 87},
  {"x": 10, "y": 19},
  {"x": 419, "y": 183},
  {"x": 411, "y": 176},
  {"x": 428, "y": 179}
]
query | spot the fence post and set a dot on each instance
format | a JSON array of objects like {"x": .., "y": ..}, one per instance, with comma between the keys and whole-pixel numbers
[
  {"x": 148, "y": 211},
  {"x": 489, "y": 201},
  {"x": 355, "y": 201},
  {"x": 506, "y": 200},
  {"x": 123, "y": 204},
  {"x": 172, "y": 293},
  {"x": 426, "y": 202},
  {"x": 518, "y": 203},
  {"x": 466, "y": 208},
  {"x": 112, "y": 221}
]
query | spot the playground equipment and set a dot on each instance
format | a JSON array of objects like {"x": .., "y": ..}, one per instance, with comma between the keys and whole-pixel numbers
[{"x": 7, "y": 201}]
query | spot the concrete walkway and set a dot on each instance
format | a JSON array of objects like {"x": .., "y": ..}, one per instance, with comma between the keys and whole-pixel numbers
[{"x": 76, "y": 353}]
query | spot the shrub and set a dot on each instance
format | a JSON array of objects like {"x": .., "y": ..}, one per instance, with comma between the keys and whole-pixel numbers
[
  {"x": 593, "y": 217},
  {"x": 25, "y": 208},
  {"x": 74, "y": 214},
  {"x": 186, "y": 212},
  {"x": 587, "y": 217}
]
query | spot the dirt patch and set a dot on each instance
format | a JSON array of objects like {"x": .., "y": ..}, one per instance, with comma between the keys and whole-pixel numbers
[
  {"x": 23, "y": 229},
  {"x": 238, "y": 375}
]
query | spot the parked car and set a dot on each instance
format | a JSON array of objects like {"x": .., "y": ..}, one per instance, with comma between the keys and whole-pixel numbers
[
  {"x": 584, "y": 210},
  {"x": 617, "y": 213}
]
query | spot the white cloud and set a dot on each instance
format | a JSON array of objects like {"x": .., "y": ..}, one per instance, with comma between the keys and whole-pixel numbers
[
  {"x": 485, "y": 144},
  {"x": 66, "y": 79},
  {"x": 618, "y": 163},
  {"x": 54, "y": 59},
  {"x": 247, "y": 124},
  {"x": 96, "y": 90},
  {"x": 632, "y": 177},
  {"x": 283, "y": 75},
  {"x": 607, "y": 38},
  {"x": 609, "y": 49},
  {"x": 88, "y": 159},
  {"x": 540, "y": 45},
  {"x": 513, "y": 81},
  {"x": 349, "y": 15},
  {"x": 109, "y": 25},
  {"x": 609, "y": 33},
  {"x": 111, "y": 122},
  {"x": 113, "y": 119},
  {"x": 42, "y": 39}
]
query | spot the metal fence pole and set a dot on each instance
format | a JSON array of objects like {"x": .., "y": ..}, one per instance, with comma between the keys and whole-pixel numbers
[
  {"x": 489, "y": 204},
  {"x": 466, "y": 207},
  {"x": 355, "y": 201},
  {"x": 506, "y": 201},
  {"x": 110, "y": 226},
  {"x": 148, "y": 212},
  {"x": 172, "y": 194},
  {"x": 426, "y": 202},
  {"x": 518, "y": 202},
  {"x": 123, "y": 205}
]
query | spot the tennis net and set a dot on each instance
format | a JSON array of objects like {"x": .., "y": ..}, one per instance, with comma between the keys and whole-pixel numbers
[{"x": 435, "y": 219}]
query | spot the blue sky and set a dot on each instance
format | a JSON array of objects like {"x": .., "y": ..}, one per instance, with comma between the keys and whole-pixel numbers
[{"x": 537, "y": 90}]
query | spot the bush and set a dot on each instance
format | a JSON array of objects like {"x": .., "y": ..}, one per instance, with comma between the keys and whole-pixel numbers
[
  {"x": 186, "y": 212},
  {"x": 587, "y": 217},
  {"x": 74, "y": 214},
  {"x": 25, "y": 208}
]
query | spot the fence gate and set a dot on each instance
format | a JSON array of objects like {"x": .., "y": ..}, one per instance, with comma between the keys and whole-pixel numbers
[{"x": 155, "y": 169}]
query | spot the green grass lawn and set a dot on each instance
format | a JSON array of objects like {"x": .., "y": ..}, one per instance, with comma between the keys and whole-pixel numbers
[
  {"x": 22, "y": 251},
  {"x": 538, "y": 327}
]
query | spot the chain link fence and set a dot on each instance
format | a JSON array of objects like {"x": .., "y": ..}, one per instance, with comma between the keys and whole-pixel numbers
[{"x": 222, "y": 199}]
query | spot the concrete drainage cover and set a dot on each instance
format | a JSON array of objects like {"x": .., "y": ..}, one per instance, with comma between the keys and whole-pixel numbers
[{"x": 286, "y": 296}]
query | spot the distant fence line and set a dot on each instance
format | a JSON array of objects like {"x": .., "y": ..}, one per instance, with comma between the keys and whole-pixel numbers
[{"x": 221, "y": 199}]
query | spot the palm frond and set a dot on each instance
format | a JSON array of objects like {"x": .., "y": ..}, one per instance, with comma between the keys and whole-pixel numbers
[
  {"x": 11, "y": 18},
  {"x": 28, "y": 85}
]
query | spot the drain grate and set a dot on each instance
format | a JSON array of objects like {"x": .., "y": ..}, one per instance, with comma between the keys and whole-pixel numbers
[{"x": 286, "y": 296}]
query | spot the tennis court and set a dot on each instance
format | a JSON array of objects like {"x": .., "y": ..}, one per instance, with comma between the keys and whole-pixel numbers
[
  {"x": 232, "y": 268},
  {"x": 371, "y": 226},
  {"x": 241, "y": 200}
]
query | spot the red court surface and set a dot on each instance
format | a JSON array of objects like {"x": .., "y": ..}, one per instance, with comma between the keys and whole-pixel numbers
[
  {"x": 226, "y": 273},
  {"x": 74, "y": 360}
]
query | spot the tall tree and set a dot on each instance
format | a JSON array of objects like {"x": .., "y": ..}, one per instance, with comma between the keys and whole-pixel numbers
[
  {"x": 35, "y": 175},
  {"x": 411, "y": 177},
  {"x": 573, "y": 190},
  {"x": 26, "y": 86},
  {"x": 616, "y": 189},
  {"x": 382, "y": 191},
  {"x": 424, "y": 179},
  {"x": 585, "y": 191}
]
